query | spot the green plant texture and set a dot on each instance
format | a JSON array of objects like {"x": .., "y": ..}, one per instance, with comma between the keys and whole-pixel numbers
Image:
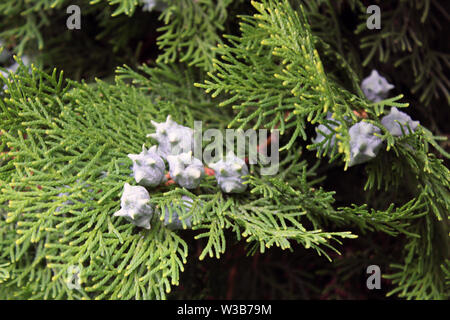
[{"x": 70, "y": 118}]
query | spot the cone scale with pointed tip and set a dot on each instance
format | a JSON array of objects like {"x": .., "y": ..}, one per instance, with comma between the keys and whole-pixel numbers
[
  {"x": 172, "y": 138},
  {"x": 375, "y": 87},
  {"x": 364, "y": 145},
  {"x": 186, "y": 170},
  {"x": 148, "y": 167},
  {"x": 135, "y": 207},
  {"x": 397, "y": 120},
  {"x": 229, "y": 174}
]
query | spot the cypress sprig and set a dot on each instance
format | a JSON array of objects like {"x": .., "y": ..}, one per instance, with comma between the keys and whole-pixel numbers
[{"x": 292, "y": 66}]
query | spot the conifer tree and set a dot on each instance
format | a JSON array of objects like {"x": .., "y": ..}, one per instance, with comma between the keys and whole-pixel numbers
[{"x": 360, "y": 181}]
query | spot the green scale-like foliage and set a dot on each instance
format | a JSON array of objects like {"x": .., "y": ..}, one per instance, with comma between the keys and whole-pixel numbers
[
  {"x": 73, "y": 134},
  {"x": 188, "y": 29},
  {"x": 64, "y": 137},
  {"x": 273, "y": 75}
]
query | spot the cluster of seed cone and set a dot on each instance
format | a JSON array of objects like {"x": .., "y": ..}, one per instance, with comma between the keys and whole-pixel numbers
[
  {"x": 175, "y": 145},
  {"x": 364, "y": 142}
]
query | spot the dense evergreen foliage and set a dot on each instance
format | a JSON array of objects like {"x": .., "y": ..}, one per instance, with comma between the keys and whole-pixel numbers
[{"x": 70, "y": 118}]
